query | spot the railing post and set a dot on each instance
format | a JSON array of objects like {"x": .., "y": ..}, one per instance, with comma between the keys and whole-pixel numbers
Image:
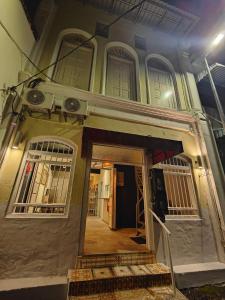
[
  {"x": 171, "y": 264},
  {"x": 167, "y": 236}
]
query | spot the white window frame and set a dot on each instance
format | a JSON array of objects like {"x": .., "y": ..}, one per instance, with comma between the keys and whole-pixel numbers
[
  {"x": 129, "y": 62},
  {"x": 179, "y": 200},
  {"x": 174, "y": 102},
  {"x": 169, "y": 66},
  {"x": 83, "y": 48},
  {"x": 134, "y": 55},
  {"x": 19, "y": 180},
  {"x": 86, "y": 35}
]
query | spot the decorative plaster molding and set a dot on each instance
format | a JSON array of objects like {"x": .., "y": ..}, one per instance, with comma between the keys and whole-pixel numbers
[{"x": 120, "y": 105}]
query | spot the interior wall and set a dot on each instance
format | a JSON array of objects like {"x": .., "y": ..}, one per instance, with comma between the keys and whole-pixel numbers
[{"x": 126, "y": 197}]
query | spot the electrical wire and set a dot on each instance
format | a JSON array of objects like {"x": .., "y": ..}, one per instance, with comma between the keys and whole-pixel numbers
[
  {"x": 80, "y": 45},
  {"x": 21, "y": 50}
]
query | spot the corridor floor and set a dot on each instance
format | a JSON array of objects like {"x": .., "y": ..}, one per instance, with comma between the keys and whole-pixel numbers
[{"x": 100, "y": 239}]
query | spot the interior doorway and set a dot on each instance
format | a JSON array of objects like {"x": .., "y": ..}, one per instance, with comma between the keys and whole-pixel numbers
[{"x": 112, "y": 223}]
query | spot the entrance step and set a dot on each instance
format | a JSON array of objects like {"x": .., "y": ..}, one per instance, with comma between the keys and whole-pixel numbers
[
  {"x": 110, "y": 279},
  {"x": 115, "y": 259},
  {"x": 164, "y": 292}
]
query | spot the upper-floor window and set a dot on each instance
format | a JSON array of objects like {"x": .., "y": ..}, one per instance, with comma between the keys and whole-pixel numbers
[
  {"x": 120, "y": 74},
  {"x": 75, "y": 69},
  {"x": 160, "y": 83},
  {"x": 179, "y": 185},
  {"x": 44, "y": 178}
]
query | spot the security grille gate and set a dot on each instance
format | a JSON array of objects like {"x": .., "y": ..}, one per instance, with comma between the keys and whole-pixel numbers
[
  {"x": 44, "y": 183},
  {"x": 179, "y": 186}
]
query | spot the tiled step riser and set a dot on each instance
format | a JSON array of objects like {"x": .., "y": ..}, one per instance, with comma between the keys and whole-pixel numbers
[
  {"x": 98, "y": 261},
  {"x": 115, "y": 284}
]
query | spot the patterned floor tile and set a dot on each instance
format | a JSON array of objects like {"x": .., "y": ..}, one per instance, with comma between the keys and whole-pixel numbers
[
  {"x": 81, "y": 275},
  {"x": 100, "y": 273},
  {"x": 122, "y": 271},
  {"x": 140, "y": 270},
  {"x": 137, "y": 294},
  {"x": 157, "y": 268}
]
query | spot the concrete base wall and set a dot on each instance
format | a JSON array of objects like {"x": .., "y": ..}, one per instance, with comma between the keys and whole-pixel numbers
[{"x": 195, "y": 275}]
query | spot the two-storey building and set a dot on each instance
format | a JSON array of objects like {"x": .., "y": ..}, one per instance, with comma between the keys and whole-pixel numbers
[{"x": 121, "y": 108}]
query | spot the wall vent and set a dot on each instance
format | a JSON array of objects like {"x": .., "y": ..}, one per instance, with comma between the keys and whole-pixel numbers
[
  {"x": 140, "y": 42},
  {"x": 102, "y": 30}
]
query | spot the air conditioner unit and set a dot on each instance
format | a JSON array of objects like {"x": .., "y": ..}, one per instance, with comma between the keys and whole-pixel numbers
[
  {"x": 72, "y": 106},
  {"x": 37, "y": 100}
]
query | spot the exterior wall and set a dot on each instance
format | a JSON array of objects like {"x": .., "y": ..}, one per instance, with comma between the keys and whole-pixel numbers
[
  {"x": 11, "y": 60},
  {"x": 46, "y": 246},
  {"x": 33, "y": 247},
  {"x": 40, "y": 246},
  {"x": 72, "y": 14}
]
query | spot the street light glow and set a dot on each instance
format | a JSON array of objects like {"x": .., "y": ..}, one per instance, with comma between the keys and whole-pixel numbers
[{"x": 218, "y": 39}]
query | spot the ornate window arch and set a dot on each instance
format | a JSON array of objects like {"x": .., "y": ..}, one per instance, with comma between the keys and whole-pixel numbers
[
  {"x": 179, "y": 183},
  {"x": 121, "y": 68},
  {"x": 77, "y": 69},
  {"x": 161, "y": 82},
  {"x": 43, "y": 186}
]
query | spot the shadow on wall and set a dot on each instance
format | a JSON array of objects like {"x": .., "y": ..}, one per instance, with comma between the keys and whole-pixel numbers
[{"x": 51, "y": 292}]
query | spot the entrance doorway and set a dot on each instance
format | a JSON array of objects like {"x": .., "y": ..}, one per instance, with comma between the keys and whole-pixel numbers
[{"x": 114, "y": 217}]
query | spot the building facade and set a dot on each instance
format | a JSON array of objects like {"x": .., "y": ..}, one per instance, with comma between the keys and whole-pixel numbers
[{"x": 139, "y": 107}]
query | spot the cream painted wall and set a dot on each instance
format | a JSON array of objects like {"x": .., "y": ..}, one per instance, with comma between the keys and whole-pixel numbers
[
  {"x": 71, "y": 14},
  {"x": 11, "y": 61}
]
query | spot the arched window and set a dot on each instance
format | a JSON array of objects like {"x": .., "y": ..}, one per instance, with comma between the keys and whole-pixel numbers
[
  {"x": 44, "y": 178},
  {"x": 179, "y": 185},
  {"x": 120, "y": 74},
  {"x": 161, "y": 85},
  {"x": 75, "y": 69}
]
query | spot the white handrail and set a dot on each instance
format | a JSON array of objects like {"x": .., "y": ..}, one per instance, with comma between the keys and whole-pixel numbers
[
  {"x": 160, "y": 222},
  {"x": 167, "y": 236}
]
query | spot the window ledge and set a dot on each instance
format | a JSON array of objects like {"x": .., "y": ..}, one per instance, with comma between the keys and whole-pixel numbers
[
  {"x": 40, "y": 216},
  {"x": 183, "y": 218}
]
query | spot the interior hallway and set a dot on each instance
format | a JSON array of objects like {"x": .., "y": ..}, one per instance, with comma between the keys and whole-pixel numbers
[{"x": 100, "y": 239}]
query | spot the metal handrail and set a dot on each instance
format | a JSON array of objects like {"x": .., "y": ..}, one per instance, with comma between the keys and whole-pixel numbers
[{"x": 167, "y": 236}]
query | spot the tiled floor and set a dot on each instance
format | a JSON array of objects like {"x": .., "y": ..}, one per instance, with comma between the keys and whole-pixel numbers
[
  {"x": 100, "y": 239},
  {"x": 157, "y": 293},
  {"x": 117, "y": 271}
]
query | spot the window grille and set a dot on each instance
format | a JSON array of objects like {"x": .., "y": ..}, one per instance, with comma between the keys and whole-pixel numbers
[
  {"x": 45, "y": 178},
  {"x": 179, "y": 186}
]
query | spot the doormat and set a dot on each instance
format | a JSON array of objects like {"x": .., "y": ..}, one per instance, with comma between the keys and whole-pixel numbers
[{"x": 138, "y": 239}]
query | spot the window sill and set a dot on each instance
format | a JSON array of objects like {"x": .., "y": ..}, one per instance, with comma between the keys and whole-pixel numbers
[
  {"x": 184, "y": 218},
  {"x": 40, "y": 216}
]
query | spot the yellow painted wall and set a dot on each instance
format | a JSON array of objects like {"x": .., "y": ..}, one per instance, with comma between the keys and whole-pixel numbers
[
  {"x": 11, "y": 61},
  {"x": 73, "y": 14},
  {"x": 33, "y": 127}
]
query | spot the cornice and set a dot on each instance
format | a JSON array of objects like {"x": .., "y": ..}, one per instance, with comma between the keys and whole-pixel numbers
[{"x": 132, "y": 107}]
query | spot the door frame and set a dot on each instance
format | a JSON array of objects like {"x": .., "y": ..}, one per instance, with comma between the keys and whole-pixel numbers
[{"x": 147, "y": 164}]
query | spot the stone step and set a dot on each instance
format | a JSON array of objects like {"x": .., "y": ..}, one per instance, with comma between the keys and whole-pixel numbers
[
  {"x": 155, "y": 293},
  {"x": 115, "y": 259},
  {"x": 110, "y": 279}
]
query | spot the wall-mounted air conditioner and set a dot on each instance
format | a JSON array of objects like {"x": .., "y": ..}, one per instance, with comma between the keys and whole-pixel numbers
[
  {"x": 72, "y": 106},
  {"x": 37, "y": 100}
]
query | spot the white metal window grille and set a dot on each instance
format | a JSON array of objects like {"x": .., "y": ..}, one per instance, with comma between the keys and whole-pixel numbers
[
  {"x": 75, "y": 69},
  {"x": 120, "y": 78},
  {"x": 161, "y": 88},
  {"x": 44, "y": 183},
  {"x": 179, "y": 185}
]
